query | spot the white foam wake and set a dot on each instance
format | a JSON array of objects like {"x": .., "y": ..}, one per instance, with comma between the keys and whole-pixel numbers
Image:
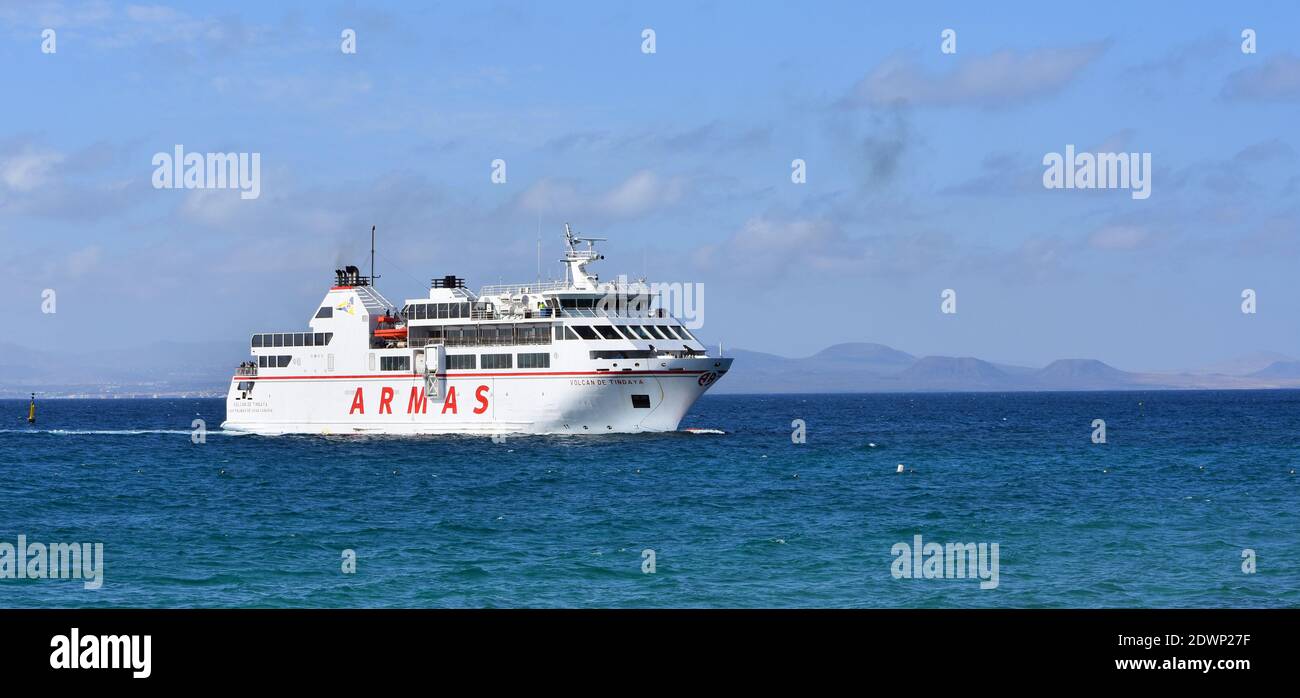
[{"x": 109, "y": 432}]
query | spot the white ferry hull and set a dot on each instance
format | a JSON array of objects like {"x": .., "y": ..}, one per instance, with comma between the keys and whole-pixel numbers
[{"x": 483, "y": 402}]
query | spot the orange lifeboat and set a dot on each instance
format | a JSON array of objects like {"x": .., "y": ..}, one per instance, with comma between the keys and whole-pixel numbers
[{"x": 391, "y": 333}]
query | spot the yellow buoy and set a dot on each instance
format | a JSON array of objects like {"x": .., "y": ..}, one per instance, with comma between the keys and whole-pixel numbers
[{"x": 31, "y": 410}]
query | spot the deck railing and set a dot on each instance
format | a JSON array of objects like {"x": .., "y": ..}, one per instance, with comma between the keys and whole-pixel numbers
[{"x": 418, "y": 342}]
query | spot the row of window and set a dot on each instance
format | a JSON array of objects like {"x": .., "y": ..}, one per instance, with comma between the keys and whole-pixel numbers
[
  {"x": 395, "y": 363},
  {"x": 460, "y": 335},
  {"x": 541, "y": 360},
  {"x": 633, "y": 332},
  {"x": 630, "y": 302},
  {"x": 459, "y": 362},
  {"x": 436, "y": 311},
  {"x": 293, "y": 339},
  {"x": 273, "y": 361},
  {"x": 538, "y": 333}
]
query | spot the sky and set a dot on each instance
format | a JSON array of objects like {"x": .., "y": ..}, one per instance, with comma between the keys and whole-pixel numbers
[{"x": 924, "y": 168}]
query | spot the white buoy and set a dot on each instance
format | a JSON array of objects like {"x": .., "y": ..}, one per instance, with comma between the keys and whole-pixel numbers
[{"x": 900, "y": 468}]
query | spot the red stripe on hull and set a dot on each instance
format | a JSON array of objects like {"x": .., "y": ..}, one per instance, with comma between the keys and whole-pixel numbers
[{"x": 472, "y": 375}]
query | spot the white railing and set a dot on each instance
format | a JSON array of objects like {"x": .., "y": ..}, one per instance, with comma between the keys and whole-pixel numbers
[
  {"x": 545, "y": 286},
  {"x": 419, "y": 342},
  {"x": 508, "y": 289}
]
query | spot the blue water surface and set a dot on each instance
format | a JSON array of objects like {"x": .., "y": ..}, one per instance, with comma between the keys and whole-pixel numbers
[{"x": 1158, "y": 516}]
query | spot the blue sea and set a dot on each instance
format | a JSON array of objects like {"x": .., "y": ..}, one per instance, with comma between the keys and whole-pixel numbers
[{"x": 1158, "y": 516}]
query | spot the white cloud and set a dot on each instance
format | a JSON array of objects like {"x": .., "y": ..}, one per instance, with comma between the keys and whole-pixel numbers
[
  {"x": 772, "y": 246},
  {"x": 83, "y": 260},
  {"x": 640, "y": 193},
  {"x": 991, "y": 80},
  {"x": 1277, "y": 80},
  {"x": 1118, "y": 237},
  {"x": 28, "y": 170}
]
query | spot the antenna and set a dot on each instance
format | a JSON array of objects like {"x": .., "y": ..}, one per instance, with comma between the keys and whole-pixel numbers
[{"x": 372, "y": 256}]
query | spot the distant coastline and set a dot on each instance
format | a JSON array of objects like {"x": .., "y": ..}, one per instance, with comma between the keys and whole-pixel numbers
[
  {"x": 168, "y": 370},
  {"x": 876, "y": 368}
]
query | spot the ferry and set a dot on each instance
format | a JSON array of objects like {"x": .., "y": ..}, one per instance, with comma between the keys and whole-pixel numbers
[{"x": 575, "y": 356}]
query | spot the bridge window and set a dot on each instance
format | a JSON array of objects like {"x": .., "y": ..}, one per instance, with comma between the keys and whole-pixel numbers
[
  {"x": 539, "y": 360},
  {"x": 496, "y": 361},
  {"x": 325, "y": 311},
  {"x": 651, "y": 329},
  {"x": 667, "y": 331},
  {"x": 607, "y": 331},
  {"x": 585, "y": 331}
]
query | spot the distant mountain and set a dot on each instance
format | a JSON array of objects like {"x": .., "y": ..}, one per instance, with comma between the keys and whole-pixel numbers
[
  {"x": 948, "y": 373},
  {"x": 878, "y": 368},
  {"x": 851, "y": 367},
  {"x": 1082, "y": 374},
  {"x": 1244, "y": 365},
  {"x": 1279, "y": 369},
  {"x": 874, "y": 356}
]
